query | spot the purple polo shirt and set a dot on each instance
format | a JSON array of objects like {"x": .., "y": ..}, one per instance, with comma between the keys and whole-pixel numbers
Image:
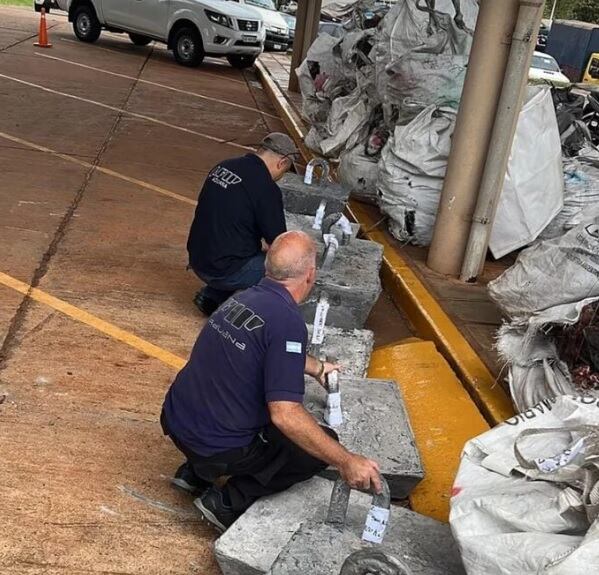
[{"x": 251, "y": 351}]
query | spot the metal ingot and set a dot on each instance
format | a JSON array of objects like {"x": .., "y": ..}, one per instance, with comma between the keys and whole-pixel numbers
[
  {"x": 351, "y": 281},
  {"x": 300, "y": 197},
  {"x": 305, "y": 223},
  {"x": 424, "y": 545},
  {"x": 374, "y": 423}
]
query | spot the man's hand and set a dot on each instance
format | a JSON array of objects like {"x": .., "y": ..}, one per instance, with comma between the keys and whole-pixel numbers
[
  {"x": 320, "y": 369},
  {"x": 361, "y": 473},
  {"x": 328, "y": 368}
]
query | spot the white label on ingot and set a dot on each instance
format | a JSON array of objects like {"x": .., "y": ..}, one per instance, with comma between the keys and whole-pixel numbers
[
  {"x": 320, "y": 320},
  {"x": 333, "y": 414},
  {"x": 309, "y": 174},
  {"x": 345, "y": 225},
  {"x": 329, "y": 239},
  {"x": 317, "y": 225},
  {"x": 376, "y": 523},
  {"x": 333, "y": 378}
]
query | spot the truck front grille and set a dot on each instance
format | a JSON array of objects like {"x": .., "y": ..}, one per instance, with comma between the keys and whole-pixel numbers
[{"x": 248, "y": 25}]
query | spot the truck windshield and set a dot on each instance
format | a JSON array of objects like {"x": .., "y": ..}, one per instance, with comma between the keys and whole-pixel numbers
[
  {"x": 545, "y": 63},
  {"x": 268, "y": 4}
]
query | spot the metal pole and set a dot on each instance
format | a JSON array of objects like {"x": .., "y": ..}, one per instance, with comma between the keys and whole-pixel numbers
[
  {"x": 306, "y": 29},
  {"x": 510, "y": 104},
  {"x": 470, "y": 140},
  {"x": 552, "y": 17}
]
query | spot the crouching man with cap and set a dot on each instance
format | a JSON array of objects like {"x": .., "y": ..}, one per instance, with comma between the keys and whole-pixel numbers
[
  {"x": 236, "y": 408},
  {"x": 239, "y": 214}
]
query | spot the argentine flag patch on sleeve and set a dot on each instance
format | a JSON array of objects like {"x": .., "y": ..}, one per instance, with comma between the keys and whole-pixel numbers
[{"x": 294, "y": 347}]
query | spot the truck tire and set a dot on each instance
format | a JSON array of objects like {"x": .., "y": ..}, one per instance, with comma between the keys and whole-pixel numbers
[
  {"x": 139, "y": 40},
  {"x": 240, "y": 61},
  {"x": 188, "y": 47},
  {"x": 86, "y": 25}
]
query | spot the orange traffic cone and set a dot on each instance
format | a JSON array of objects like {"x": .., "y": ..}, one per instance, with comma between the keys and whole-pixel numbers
[{"x": 43, "y": 33}]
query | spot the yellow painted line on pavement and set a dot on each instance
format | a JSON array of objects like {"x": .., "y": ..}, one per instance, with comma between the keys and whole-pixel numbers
[
  {"x": 106, "y": 171},
  {"x": 93, "y": 321},
  {"x": 157, "y": 85},
  {"x": 127, "y": 113}
]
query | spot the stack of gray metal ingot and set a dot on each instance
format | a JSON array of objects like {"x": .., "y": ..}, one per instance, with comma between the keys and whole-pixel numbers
[
  {"x": 348, "y": 267},
  {"x": 368, "y": 415}
]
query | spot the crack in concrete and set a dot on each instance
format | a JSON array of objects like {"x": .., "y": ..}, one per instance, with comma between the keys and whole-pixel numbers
[
  {"x": 24, "y": 39},
  {"x": 11, "y": 338},
  {"x": 251, "y": 89}
]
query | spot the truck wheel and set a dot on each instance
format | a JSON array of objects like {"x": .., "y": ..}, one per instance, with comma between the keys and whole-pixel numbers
[
  {"x": 188, "y": 47},
  {"x": 139, "y": 40},
  {"x": 86, "y": 24},
  {"x": 240, "y": 62}
]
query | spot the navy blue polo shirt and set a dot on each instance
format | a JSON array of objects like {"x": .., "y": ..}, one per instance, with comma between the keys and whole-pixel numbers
[
  {"x": 251, "y": 351},
  {"x": 239, "y": 205}
]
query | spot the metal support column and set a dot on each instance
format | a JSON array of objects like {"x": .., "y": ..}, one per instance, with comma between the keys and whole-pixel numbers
[
  {"x": 504, "y": 128},
  {"x": 470, "y": 142}
]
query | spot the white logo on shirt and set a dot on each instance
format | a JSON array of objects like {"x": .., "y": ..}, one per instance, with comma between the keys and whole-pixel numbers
[{"x": 223, "y": 177}]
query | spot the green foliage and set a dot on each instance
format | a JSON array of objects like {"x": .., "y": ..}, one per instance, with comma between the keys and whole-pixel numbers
[{"x": 584, "y": 10}]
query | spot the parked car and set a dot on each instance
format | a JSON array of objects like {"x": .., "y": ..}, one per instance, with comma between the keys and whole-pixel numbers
[
  {"x": 290, "y": 21},
  {"x": 47, "y": 4},
  {"x": 277, "y": 31},
  {"x": 542, "y": 38},
  {"x": 545, "y": 69},
  {"x": 289, "y": 7},
  {"x": 191, "y": 29}
]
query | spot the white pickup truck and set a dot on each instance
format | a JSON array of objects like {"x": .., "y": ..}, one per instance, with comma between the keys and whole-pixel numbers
[{"x": 192, "y": 29}]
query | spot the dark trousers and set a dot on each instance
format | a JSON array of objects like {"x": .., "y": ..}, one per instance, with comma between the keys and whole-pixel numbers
[
  {"x": 219, "y": 289},
  {"x": 270, "y": 464}
]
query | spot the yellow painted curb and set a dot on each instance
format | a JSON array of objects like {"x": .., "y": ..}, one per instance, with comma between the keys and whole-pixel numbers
[
  {"x": 408, "y": 291},
  {"x": 442, "y": 414}
]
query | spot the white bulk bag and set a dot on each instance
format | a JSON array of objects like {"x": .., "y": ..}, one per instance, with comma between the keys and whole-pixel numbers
[
  {"x": 534, "y": 184},
  {"x": 411, "y": 172},
  {"x": 531, "y": 510},
  {"x": 551, "y": 277}
]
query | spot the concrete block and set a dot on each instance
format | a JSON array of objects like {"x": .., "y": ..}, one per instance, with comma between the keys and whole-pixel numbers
[
  {"x": 375, "y": 424},
  {"x": 351, "y": 348},
  {"x": 424, "y": 545},
  {"x": 301, "y": 198},
  {"x": 304, "y": 223},
  {"x": 251, "y": 545},
  {"x": 352, "y": 284}
]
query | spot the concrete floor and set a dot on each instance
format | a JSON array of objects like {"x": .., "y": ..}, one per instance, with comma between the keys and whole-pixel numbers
[{"x": 102, "y": 226}]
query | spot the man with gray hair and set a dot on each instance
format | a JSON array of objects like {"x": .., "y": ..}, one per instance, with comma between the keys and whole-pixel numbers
[
  {"x": 236, "y": 408},
  {"x": 240, "y": 210}
]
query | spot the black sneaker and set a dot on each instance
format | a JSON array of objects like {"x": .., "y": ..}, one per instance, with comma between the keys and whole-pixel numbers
[
  {"x": 214, "y": 510},
  {"x": 207, "y": 306},
  {"x": 186, "y": 480}
]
